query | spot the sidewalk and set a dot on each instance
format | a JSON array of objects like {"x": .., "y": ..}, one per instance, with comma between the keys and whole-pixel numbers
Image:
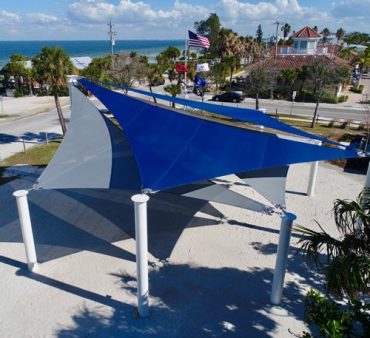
[{"x": 19, "y": 107}]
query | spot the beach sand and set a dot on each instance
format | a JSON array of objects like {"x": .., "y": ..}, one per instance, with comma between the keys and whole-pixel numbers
[{"x": 211, "y": 265}]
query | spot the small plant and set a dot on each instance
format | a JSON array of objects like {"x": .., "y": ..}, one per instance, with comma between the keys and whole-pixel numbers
[
  {"x": 343, "y": 98},
  {"x": 357, "y": 88},
  {"x": 330, "y": 319}
]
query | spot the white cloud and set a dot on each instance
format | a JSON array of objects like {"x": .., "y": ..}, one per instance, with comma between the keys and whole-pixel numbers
[
  {"x": 7, "y": 17},
  {"x": 128, "y": 12},
  {"x": 40, "y": 18}
]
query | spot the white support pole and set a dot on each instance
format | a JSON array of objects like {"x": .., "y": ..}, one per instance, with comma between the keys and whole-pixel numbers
[
  {"x": 313, "y": 175},
  {"x": 71, "y": 79},
  {"x": 141, "y": 235},
  {"x": 281, "y": 257},
  {"x": 312, "y": 178},
  {"x": 25, "y": 220},
  {"x": 367, "y": 182}
]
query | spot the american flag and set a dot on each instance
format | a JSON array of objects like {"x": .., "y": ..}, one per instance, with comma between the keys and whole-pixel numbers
[{"x": 196, "y": 40}]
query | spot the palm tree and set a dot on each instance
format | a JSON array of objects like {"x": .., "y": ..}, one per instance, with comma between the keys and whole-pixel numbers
[
  {"x": 347, "y": 261},
  {"x": 289, "y": 77},
  {"x": 340, "y": 34},
  {"x": 325, "y": 32},
  {"x": 347, "y": 269},
  {"x": 286, "y": 30},
  {"x": 52, "y": 66},
  {"x": 173, "y": 89}
]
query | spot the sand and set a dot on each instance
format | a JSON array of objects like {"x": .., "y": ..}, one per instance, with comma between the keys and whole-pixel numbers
[{"x": 211, "y": 265}]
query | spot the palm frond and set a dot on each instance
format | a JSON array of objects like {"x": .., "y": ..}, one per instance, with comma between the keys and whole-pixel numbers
[{"x": 316, "y": 243}]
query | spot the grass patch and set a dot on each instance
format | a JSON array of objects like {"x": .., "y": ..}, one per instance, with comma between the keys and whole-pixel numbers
[{"x": 38, "y": 155}]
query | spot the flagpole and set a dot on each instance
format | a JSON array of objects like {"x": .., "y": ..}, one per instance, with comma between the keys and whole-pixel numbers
[{"x": 186, "y": 59}]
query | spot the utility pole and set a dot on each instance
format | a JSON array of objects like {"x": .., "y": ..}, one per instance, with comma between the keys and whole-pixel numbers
[
  {"x": 111, "y": 35},
  {"x": 277, "y": 23}
]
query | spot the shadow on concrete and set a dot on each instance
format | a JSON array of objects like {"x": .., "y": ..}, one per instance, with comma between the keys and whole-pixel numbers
[
  {"x": 29, "y": 137},
  {"x": 191, "y": 301}
]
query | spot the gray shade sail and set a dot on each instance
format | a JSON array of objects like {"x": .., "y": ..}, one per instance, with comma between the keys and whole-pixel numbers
[
  {"x": 221, "y": 194},
  {"x": 93, "y": 154},
  {"x": 269, "y": 182}
]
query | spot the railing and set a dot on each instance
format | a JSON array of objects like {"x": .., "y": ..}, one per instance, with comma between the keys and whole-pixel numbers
[{"x": 297, "y": 51}]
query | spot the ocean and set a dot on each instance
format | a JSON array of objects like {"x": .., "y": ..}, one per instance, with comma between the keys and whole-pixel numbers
[{"x": 150, "y": 48}]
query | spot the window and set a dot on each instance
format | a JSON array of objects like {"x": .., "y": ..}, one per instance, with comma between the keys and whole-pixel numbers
[{"x": 303, "y": 44}]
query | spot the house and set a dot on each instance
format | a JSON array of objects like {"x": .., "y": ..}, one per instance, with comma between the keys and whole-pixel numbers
[{"x": 305, "y": 50}]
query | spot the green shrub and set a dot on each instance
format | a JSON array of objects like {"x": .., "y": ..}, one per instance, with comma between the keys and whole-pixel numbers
[
  {"x": 343, "y": 98},
  {"x": 18, "y": 92},
  {"x": 329, "y": 98},
  {"x": 357, "y": 88},
  {"x": 305, "y": 96},
  {"x": 330, "y": 319}
]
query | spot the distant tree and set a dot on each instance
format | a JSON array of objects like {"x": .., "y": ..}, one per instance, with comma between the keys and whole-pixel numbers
[
  {"x": 322, "y": 75},
  {"x": 259, "y": 34},
  {"x": 357, "y": 38},
  {"x": 231, "y": 63},
  {"x": 303, "y": 75},
  {"x": 340, "y": 34},
  {"x": 125, "y": 69},
  {"x": 258, "y": 79},
  {"x": 18, "y": 58},
  {"x": 345, "y": 53},
  {"x": 286, "y": 29},
  {"x": 52, "y": 65},
  {"x": 230, "y": 43},
  {"x": 174, "y": 90},
  {"x": 325, "y": 32},
  {"x": 171, "y": 53},
  {"x": 289, "y": 77},
  {"x": 98, "y": 69},
  {"x": 210, "y": 28},
  {"x": 193, "y": 56},
  {"x": 218, "y": 74},
  {"x": 315, "y": 28},
  {"x": 364, "y": 59}
]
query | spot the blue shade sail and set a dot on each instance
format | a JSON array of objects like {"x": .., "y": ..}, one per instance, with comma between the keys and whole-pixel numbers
[
  {"x": 242, "y": 114},
  {"x": 173, "y": 149}
]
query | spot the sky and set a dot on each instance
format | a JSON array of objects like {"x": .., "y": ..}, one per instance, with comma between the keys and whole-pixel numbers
[{"x": 168, "y": 19}]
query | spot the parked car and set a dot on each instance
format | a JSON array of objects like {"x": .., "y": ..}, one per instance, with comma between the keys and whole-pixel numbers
[
  {"x": 236, "y": 86},
  {"x": 229, "y": 97}
]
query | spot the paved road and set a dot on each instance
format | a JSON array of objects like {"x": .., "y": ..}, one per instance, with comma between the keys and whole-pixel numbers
[{"x": 31, "y": 129}]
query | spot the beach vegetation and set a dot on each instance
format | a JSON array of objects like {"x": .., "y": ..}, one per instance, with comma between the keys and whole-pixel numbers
[
  {"x": 125, "y": 69},
  {"x": 325, "y": 34},
  {"x": 51, "y": 66},
  {"x": 340, "y": 33},
  {"x": 98, "y": 69},
  {"x": 345, "y": 262},
  {"x": 286, "y": 29},
  {"x": 174, "y": 90}
]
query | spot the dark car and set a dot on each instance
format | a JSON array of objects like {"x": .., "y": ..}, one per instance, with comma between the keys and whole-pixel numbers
[
  {"x": 229, "y": 97},
  {"x": 236, "y": 86}
]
